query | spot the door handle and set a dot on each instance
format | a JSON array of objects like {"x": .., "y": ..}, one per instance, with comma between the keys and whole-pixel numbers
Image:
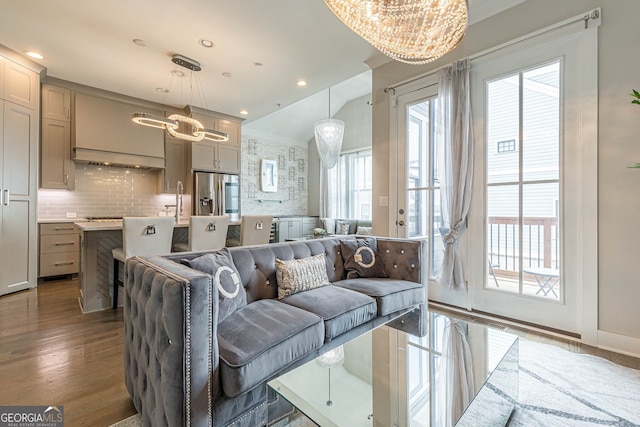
[
  {"x": 400, "y": 223},
  {"x": 7, "y": 194}
]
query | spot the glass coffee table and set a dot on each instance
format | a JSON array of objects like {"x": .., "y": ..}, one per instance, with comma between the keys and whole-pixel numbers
[{"x": 440, "y": 372}]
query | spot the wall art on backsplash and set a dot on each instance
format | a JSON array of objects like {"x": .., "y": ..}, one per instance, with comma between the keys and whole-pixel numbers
[
  {"x": 292, "y": 193},
  {"x": 302, "y": 166},
  {"x": 269, "y": 176},
  {"x": 252, "y": 168},
  {"x": 302, "y": 184},
  {"x": 252, "y": 147},
  {"x": 292, "y": 173},
  {"x": 251, "y": 191},
  {"x": 293, "y": 155},
  {"x": 281, "y": 161},
  {"x": 282, "y": 180}
]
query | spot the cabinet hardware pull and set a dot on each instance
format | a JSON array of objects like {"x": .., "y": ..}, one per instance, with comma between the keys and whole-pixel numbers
[
  {"x": 64, "y": 228},
  {"x": 64, "y": 243},
  {"x": 67, "y": 112},
  {"x": 66, "y": 179},
  {"x": 63, "y": 263},
  {"x": 7, "y": 194}
]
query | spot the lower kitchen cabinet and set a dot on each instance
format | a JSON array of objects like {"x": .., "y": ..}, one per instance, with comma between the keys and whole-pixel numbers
[
  {"x": 290, "y": 228},
  {"x": 59, "y": 249}
]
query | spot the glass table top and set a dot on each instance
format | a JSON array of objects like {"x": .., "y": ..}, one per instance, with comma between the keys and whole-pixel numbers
[{"x": 424, "y": 369}]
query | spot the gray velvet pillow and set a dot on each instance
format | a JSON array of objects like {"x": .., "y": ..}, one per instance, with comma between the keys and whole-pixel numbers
[
  {"x": 231, "y": 292},
  {"x": 361, "y": 258},
  {"x": 298, "y": 275}
]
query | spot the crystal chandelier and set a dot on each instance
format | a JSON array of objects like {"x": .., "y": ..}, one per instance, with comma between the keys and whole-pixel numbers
[
  {"x": 175, "y": 122},
  {"x": 329, "y": 133},
  {"x": 411, "y": 31}
]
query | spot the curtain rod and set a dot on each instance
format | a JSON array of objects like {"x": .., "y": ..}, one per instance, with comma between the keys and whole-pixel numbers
[{"x": 585, "y": 17}]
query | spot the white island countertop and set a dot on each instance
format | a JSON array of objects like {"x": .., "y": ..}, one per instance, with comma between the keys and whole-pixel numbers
[{"x": 117, "y": 225}]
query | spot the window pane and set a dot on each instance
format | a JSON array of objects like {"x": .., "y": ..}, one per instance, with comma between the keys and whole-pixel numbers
[
  {"x": 503, "y": 243},
  {"x": 418, "y": 213},
  {"x": 541, "y": 123},
  {"x": 503, "y": 134},
  {"x": 540, "y": 245},
  {"x": 418, "y": 146}
]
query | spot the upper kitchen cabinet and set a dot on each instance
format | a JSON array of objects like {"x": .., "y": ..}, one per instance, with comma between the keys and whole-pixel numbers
[
  {"x": 175, "y": 168},
  {"x": 215, "y": 156},
  {"x": 20, "y": 84},
  {"x": 56, "y": 103},
  {"x": 104, "y": 133},
  {"x": 57, "y": 170},
  {"x": 18, "y": 173}
]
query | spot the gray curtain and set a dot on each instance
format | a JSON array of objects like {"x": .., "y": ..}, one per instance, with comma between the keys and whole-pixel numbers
[{"x": 454, "y": 139}]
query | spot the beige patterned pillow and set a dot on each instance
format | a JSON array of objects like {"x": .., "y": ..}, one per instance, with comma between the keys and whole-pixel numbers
[{"x": 300, "y": 275}]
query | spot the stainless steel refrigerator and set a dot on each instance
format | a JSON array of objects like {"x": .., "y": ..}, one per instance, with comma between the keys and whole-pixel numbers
[{"x": 216, "y": 194}]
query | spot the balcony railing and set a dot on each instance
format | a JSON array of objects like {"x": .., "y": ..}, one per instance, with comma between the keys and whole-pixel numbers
[{"x": 540, "y": 243}]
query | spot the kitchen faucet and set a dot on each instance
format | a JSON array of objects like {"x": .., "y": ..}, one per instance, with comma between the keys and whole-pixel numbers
[{"x": 179, "y": 191}]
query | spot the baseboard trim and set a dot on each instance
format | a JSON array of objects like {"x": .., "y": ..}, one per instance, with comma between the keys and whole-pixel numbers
[{"x": 619, "y": 343}]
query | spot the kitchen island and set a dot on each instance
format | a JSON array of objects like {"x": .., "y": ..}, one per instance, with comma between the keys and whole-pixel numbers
[{"x": 97, "y": 240}]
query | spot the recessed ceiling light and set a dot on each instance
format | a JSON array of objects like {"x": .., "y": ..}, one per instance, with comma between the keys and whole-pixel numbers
[
  {"x": 301, "y": 83},
  {"x": 177, "y": 73},
  {"x": 244, "y": 112},
  {"x": 34, "y": 55},
  {"x": 206, "y": 43},
  {"x": 139, "y": 42},
  {"x": 162, "y": 90},
  {"x": 226, "y": 74}
]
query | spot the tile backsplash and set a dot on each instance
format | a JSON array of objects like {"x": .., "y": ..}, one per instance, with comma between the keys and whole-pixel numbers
[
  {"x": 108, "y": 191},
  {"x": 292, "y": 160}
]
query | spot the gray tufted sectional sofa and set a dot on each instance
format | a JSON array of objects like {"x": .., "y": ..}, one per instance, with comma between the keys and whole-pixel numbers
[{"x": 184, "y": 368}]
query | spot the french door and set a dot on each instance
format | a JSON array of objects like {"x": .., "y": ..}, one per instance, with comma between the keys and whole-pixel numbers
[{"x": 529, "y": 251}]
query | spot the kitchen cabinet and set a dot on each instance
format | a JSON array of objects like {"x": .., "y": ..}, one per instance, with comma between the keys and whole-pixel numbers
[
  {"x": 59, "y": 249},
  {"x": 20, "y": 85},
  {"x": 56, "y": 103},
  {"x": 308, "y": 224},
  {"x": 289, "y": 228},
  {"x": 175, "y": 166},
  {"x": 57, "y": 170},
  {"x": 212, "y": 156},
  {"x": 18, "y": 174}
]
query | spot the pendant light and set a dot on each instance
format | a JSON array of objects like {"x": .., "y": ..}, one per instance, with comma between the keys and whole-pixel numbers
[
  {"x": 329, "y": 133},
  {"x": 172, "y": 124}
]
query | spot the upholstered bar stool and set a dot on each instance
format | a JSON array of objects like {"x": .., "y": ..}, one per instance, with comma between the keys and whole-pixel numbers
[
  {"x": 141, "y": 236},
  {"x": 206, "y": 232},
  {"x": 255, "y": 229}
]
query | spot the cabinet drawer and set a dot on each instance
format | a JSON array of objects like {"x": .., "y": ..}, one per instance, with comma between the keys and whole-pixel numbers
[
  {"x": 59, "y": 263},
  {"x": 54, "y": 243},
  {"x": 58, "y": 228}
]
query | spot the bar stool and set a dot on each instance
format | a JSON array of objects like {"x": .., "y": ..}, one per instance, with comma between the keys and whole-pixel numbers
[
  {"x": 205, "y": 232},
  {"x": 255, "y": 229},
  {"x": 141, "y": 236}
]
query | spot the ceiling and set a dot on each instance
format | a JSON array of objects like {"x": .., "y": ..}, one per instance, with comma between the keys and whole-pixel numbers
[{"x": 91, "y": 43}]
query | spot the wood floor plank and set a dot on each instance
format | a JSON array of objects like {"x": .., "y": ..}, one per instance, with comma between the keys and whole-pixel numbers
[{"x": 52, "y": 354}]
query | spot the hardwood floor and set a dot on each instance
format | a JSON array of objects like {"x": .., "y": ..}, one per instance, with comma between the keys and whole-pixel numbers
[{"x": 52, "y": 354}]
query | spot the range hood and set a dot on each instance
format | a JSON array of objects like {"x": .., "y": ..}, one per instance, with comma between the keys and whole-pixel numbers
[{"x": 105, "y": 135}]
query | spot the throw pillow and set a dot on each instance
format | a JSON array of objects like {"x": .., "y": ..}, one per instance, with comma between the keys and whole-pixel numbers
[
  {"x": 329, "y": 225},
  {"x": 231, "y": 292},
  {"x": 363, "y": 231},
  {"x": 361, "y": 258},
  {"x": 299, "y": 275},
  {"x": 342, "y": 227}
]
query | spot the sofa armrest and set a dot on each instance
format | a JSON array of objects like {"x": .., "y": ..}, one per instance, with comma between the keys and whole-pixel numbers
[
  {"x": 402, "y": 259},
  {"x": 170, "y": 342}
]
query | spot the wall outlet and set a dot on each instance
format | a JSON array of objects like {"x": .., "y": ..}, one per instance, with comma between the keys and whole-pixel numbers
[
  {"x": 383, "y": 201},
  {"x": 71, "y": 215}
]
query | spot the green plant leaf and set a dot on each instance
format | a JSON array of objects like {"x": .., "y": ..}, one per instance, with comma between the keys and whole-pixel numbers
[{"x": 636, "y": 166}]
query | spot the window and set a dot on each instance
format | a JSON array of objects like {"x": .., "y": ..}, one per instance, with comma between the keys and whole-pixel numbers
[
  {"x": 350, "y": 184},
  {"x": 523, "y": 227},
  {"x": 424, "y": 214},
  {"x": 506, "y": 146}
]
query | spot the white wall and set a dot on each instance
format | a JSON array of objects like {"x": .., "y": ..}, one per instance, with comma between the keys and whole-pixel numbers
[
  {"x": 619, "y": 141},
  {"x": 356, "y": 116}
]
